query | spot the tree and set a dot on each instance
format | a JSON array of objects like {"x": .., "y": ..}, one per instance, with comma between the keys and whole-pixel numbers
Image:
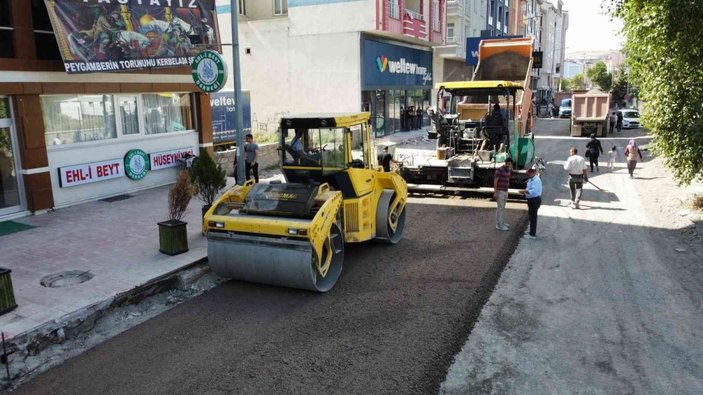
[
  {"x": 665, "y": 53},
  {"x": 598, "y": 73},
  {"x": 576, "y": 82},
  {"x": 621, "y": 84}
]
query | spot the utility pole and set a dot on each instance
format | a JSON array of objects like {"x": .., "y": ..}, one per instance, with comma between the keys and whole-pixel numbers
[{"x": 238, "y": 108}]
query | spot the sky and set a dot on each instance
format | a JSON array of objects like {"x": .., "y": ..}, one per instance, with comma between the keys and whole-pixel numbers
[{"x": 589, "y": 30}]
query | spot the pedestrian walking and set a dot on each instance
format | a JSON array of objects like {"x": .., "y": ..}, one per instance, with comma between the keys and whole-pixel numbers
[
  {"x": 578, "y": 174},
  {"x": 251, "y": 156},
  {"x": 501, "y": 183},
  {"x": 613, "y": 121},
  {"x": 612, "y": 157},
  {"x": 632, "y": 151},
  {"x": 533, "y": 193},
  {"x": 594, "y": 150},
  {"x": 618, "y": 121}
]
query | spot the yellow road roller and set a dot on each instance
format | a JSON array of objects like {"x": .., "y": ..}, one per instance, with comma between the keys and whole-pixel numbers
[{"x": 292, "y": 233}]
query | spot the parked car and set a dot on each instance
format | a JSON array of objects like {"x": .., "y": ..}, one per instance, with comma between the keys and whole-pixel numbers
[
  {"x": 630, "y": 118},
  {"x": 565, "y": 108}
]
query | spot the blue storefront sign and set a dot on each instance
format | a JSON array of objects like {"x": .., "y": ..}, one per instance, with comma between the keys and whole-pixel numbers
[
  {"x": 386, "y": 66},
  {"x": 223, "y": 111}
]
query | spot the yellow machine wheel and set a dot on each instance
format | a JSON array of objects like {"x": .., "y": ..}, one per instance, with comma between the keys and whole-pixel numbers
[{"x": 389, "y": 225}]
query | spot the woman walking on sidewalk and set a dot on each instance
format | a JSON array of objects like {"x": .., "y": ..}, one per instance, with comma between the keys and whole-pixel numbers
[{"x": 631, "y": 152}]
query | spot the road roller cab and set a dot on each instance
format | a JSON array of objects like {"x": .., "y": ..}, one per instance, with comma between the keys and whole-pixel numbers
[{"x": 292, "y": 234}]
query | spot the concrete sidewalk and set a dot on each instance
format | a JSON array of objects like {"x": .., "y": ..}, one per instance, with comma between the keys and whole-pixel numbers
[{"x": 117, "y": 243}]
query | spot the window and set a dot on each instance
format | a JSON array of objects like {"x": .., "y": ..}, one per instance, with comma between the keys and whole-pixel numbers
[
  {"x": 75, "y": 119},
  {"x": 242, "y": 7},
  {"x": 280, "y": 7},
  {"x": 450, "y": 32},
  {"x": 166, "y": 112},
  {"x": 70, "y": 119},
  {"x": 128, "y": 114},
  {"x": 45, "y": 42},
  {"x": 435, "y": 15},
  {"x": 6, "y": 31},
  {"x": 394, "y": 9},
  {"x": 357, "y": 146}
]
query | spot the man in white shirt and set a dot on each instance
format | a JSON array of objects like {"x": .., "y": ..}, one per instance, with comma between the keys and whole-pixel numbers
[{"x": 578, "y": 174}]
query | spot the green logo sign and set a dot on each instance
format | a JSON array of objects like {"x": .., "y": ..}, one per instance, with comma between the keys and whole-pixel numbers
[
  {"x": 209, "y": 71},
  {"x": 136, "y": 164}
]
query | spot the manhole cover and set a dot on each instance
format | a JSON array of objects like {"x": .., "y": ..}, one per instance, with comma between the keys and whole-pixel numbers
[{"x": 65, "y": 279}]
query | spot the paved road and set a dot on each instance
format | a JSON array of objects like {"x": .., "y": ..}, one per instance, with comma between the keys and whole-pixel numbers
[
  {"x": 391, "y": 325},
  {"x": 602, "y": 303}
]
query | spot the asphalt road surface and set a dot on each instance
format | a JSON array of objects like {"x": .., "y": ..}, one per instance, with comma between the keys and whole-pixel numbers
[
  {"x": 607, "y": 300},
  {"x": 392, "y": 324}
]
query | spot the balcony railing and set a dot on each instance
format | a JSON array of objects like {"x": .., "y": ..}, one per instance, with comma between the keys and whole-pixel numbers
[{"x": 414, "y": 24}]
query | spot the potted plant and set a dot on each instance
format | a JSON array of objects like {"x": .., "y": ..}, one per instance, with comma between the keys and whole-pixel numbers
[
  {"x": 173, "y": 236},
  {"x": 208, "y": 177}
]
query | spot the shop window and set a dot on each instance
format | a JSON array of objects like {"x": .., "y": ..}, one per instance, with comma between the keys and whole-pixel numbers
[
  {"x": 280, "y": 7},
  {"x": 6, "y": 31},
  {"x": 75, "y": 119},
  {"x": 167, "y": 112},
  {"x": 128, "y": 114},
  {"x": 4, "y": 107}
]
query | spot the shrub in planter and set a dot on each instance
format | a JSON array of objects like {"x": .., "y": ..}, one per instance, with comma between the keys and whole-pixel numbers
[
  {"x": 208, "y": 177},
  {"x": 173, "y": 235}
]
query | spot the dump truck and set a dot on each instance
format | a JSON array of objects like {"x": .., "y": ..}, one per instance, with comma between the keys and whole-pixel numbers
[
  {"x": 479, "y": 123},
  {"x": 590, "y": 113},
  {"x": 292, "y": 233}
]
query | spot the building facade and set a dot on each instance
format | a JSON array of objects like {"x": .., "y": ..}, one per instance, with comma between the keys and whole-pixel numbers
[
  {"x": 498, "y": 18},
  {"x": 547, "y": 22},
  {"x": 465, "y": 18},
  {"x": 64, "y": 137},
  {"x": 301, "y": 56}
]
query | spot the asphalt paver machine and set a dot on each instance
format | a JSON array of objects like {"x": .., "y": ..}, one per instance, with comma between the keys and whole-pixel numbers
[
  {"x": 477, "y": 129},
  {"x": 293, "y": 233}
]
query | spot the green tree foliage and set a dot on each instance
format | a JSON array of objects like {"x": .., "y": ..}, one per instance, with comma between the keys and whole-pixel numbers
[
  {"x": 576, "y": 82},
  {"x": 208, "y": 177},
  {"x": 599, "y": 75},
  {"x": 664, "y": 46},
  {"x": 620, "y": 85}
]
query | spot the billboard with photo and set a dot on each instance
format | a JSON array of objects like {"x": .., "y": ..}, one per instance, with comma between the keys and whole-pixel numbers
[
  {"x": 222, "y": 105},
  {"x": 120, "y": 35}
]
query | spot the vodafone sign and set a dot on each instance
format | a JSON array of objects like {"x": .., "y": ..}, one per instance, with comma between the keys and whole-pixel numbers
[{"x": 90, "y": 172}]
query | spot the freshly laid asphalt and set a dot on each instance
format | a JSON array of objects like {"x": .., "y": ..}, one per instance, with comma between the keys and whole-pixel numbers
[{"x": 392, "y": 324}]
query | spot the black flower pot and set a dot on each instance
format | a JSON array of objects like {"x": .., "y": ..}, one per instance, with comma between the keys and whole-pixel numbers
[{"x": 173, "y": 237}]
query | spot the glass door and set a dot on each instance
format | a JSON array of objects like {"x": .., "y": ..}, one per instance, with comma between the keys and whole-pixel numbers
[{"x": 10, "y": 192}]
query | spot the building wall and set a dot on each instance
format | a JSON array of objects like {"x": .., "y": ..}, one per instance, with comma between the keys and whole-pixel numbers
[{"x": 25, "y": 78}]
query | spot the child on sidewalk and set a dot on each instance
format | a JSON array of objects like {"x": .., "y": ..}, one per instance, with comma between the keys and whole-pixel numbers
[{"x": 612, "y": 156}]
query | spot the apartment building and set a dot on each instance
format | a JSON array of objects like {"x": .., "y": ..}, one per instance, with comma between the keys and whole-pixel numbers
[
  {"x": 546, "y": 21},
  {"x": 65, "y": 138},
  {"x": 302, "y": 56},
  {"x": 465, "y": 18},
  {"x": 498, "y": 18}
]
